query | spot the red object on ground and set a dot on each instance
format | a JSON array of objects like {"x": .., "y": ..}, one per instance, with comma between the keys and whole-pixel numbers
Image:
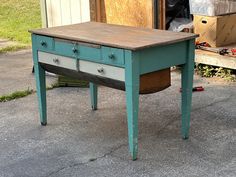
[
  {"x": 233, "y": 51},
  {"x": 204, "y": 44},
  {"x": 196, "y": 89}
]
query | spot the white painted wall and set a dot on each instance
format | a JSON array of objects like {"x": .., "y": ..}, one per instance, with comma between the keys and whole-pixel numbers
[{"x": 64, "y": 12}]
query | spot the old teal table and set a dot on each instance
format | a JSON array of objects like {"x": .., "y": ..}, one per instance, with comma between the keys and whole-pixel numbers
[{"x": 114, "y": 56}]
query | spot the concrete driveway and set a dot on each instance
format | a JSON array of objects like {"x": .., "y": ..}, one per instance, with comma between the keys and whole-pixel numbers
[
  {"x": 15, "y": 72},
  {"x": 80, "y": 142}
]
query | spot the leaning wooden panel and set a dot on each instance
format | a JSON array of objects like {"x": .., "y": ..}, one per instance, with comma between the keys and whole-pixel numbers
[
  {"x": 97, "y": 11},
  {"x": 140, "y": 12},
  {"x": 129, "y": 12},
  {"x": 161, "y": 15},
  {"x": 93, "y": 10}
]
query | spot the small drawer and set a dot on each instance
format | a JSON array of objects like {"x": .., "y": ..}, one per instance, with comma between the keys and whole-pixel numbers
[
  {"x": 66, "y": 48},
  {"x": 113, "y": 56},
  {"x": 102, "y": 70},
  {"x": 56, "y": 60},
  {"x": 90, "y": 52},
  {"x": 45, "y": 43}
]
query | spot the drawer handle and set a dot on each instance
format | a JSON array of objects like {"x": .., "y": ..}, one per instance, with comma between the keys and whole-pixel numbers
[
  {"x": 56, "y": 60},
  {"x": 100, "y": 70},
  {"x": 43, "y": 43},
  {"x": 112, "y": 56},
  {"x": 74, "y": 50}
]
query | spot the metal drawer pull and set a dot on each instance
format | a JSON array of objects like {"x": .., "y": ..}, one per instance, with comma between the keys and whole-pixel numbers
[
  {"x": 74, "y": 50},
  {"x": 100, "y": 70},
  {"x": 112, "y": 56},
  {"x": 43, "y": 43},
  {"x": 56, "y": 60}
]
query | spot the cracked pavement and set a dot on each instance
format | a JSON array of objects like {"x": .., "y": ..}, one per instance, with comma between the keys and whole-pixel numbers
[{"x": 80, "y": 142}]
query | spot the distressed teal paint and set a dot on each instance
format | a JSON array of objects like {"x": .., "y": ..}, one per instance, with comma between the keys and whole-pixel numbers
[
  {"x": 187, "y": 85},
  {"x": 90, "y": 53},
  {"x": 40, "y": 84},
  {"x": 66, "y": 49},
  {"x": 161, "y": 57},
  {"x": 44, "y": 43},
  {"x": 113, "y": 56},
  {"x": 83, "y": 51},
  {"x": 132, "y": 81},
  {"x": 93, "y": 95}
]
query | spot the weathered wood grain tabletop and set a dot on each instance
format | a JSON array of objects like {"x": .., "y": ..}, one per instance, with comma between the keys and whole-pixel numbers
[{"x": 115, "y": 35}]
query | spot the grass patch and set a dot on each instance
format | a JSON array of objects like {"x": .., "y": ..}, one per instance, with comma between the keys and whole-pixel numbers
[
  {"x": 15, "y": 95},
  {"x": 55, "y": 85},
  {"x": 64, "y": 81},
  {"x": 211, "y": 71},
  {"x": 24, "y": 93},
  {"x": 13, "y": 48},
  {"x": 17, "y": 17}
]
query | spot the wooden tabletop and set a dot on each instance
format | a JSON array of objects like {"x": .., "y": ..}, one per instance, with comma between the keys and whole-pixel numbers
[{"x": 115, "y": 35}]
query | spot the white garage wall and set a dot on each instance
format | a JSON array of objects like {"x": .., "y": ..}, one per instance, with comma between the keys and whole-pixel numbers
[{"x": 64, "y": 12}]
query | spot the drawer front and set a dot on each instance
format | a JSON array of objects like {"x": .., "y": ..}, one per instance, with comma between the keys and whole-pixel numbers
[
  {"x": 113, "y": 56},
  {"x": 56, "y": 60},
  {"x": 45, "y": 43},
  {"x": 66, "y": 48},
  {"x": 102, "y": 70},
  {"x": 89, "y": 52}
]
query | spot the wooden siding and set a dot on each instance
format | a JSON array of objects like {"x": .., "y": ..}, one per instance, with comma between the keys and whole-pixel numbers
[{"x": 64, "y": 12}]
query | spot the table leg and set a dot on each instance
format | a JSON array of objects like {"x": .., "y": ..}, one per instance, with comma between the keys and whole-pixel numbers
[
  {"x": 132, "y": 101},
  {"x": 187, "y": 85},
  {"x": 41, "y": 92},
  {"x": 93, "y": 95}
]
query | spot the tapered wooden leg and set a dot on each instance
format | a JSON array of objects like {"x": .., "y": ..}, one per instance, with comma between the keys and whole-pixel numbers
[
  {"x": 132, "y": 101},
  {"x": 93, "y": 95},
  {"x": 39, "y": 73},
  {"x": 187, "y": 85},
  {"x": 41, "y": 93}
]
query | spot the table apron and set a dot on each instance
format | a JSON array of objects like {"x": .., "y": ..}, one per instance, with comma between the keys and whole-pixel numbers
[{"x": 162, "y": 57}]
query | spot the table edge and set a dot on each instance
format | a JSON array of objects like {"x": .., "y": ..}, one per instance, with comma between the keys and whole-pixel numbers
[{"x": 194, "y": 36}]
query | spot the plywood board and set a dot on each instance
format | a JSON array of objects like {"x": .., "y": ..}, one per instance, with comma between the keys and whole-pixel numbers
[
  {"x": 137, "y": 13},
  {"x": 140, "y": 13}
]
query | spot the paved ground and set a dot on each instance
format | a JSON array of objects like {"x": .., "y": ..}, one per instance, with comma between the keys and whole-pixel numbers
[
  {"x": 6, "y": 43},
  {"x": 80, "y": 142},
  {"x": 15, "y": 72}
]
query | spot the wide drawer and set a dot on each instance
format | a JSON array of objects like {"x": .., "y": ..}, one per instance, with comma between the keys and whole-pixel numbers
[
  {"x": 102, "y": 70},
  {"x": 56, "y": 60},
  {"x": 84, "y": 51}
]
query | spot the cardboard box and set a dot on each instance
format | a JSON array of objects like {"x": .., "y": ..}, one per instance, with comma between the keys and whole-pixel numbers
[
  {"x": 212, "y": 7},
  {"x": 218, "y": 31}
]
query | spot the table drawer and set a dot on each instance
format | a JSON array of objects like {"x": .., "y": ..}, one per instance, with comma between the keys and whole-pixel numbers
[
  {"x": 89, "y": 52},
  {"x": 44, "y": 43},
  {"x": 113, "y": 55},
  {"x": 102, "y": 70},
  {"x": 66, "y": 48},
  {"x": 56, "y": 60}
]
